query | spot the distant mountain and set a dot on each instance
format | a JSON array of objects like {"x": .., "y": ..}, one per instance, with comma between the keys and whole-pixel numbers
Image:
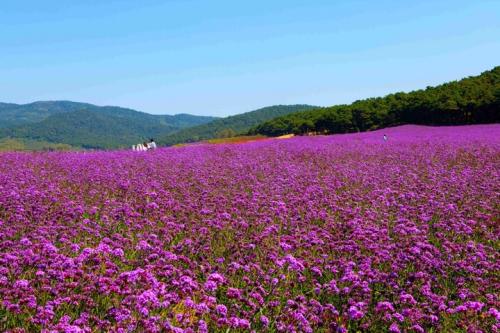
[
  {"x": 472, "y": 100},
  {"x": 86, "y": 125},
  {"x": 232, "y": 125},
  {"x": 21, "y": 114}
]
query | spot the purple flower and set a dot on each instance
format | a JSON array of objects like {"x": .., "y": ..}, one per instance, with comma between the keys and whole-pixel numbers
[
  {"x": 234, "y": 293},
  {"x": 494, "y": 313},
  {"x": 25, "y": 241},
  {"x": 384, "y": 307},
  {"x": 474, "y": 306},
  {"x": 355, "y": 313},
  {"x": 118, "y": 252},
  {"x": 210, "y": 286},
  {"x": 417, "y": 328},
  {"x": 394, "y": 328},
  {"x": 399, "y": 317},
  {"x": 21, "y": 284},
  {"x": 221, "y": 309}
]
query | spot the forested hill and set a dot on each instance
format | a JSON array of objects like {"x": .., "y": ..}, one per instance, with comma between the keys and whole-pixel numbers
[
  {"x": 232, "y": 125},
  {"x": 472, "y": 100},
  {"x": 21, "y": 114},
  {"x": 86, "y": 125}
]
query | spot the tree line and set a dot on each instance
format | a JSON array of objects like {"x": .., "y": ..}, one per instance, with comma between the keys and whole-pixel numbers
[
  {"x": 473, "y": 100},
  {"x": 230, "y": 126}
]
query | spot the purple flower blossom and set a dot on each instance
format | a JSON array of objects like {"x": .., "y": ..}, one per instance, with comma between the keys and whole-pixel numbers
[
  {"x": 118, "y": 252},
  {"x": 221, "y": 309},
  {"x": 233, "y": 293},
  {"x": 394, "y": 328},
  {"x": 355, "y": 313},
  {"x": 210, "y": 285},
  {"x": 384, "y": 307},
  {"x": 21, "y": 284}
]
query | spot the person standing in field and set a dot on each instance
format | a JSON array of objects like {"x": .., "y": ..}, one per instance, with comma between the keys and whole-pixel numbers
[
  {"x": 152, "y": 144},
  {"x": 385, "y": 137}
]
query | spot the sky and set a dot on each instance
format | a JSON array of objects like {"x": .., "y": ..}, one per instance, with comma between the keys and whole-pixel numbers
[{"x": 227, "y": 57}]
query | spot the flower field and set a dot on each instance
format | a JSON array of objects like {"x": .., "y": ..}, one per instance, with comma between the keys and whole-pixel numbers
[{"x": 341, "y": 233}]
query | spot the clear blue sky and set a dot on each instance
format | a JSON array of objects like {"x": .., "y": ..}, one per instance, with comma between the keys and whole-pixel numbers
[{"x": 227, "y": 57}]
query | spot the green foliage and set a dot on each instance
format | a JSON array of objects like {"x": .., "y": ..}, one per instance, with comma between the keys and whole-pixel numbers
[
  {"x": 15, "y": 114},
  {"x": 86, "y": 125},
  {"x": 230, "y": 126},
  {"x": 9, "y": 144},
  {"x": 471, "y": 100},
  {"x": 225, "y": 133}
]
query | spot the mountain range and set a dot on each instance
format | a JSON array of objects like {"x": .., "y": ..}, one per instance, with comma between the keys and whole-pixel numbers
[
  {"x": 69, "y": 125},
  {"x": 83, "y": 125},
  {"x": 87, "y": 126}
]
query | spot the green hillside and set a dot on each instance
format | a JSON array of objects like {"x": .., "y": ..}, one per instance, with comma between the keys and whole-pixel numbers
[
  {"x": 469, "y": 101},
  {"x": 21, "y": 114},
  {"x": 7, "y": 144},
  {"x": 230, "y": 126},
  {"x": 87, "y": 125}
]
